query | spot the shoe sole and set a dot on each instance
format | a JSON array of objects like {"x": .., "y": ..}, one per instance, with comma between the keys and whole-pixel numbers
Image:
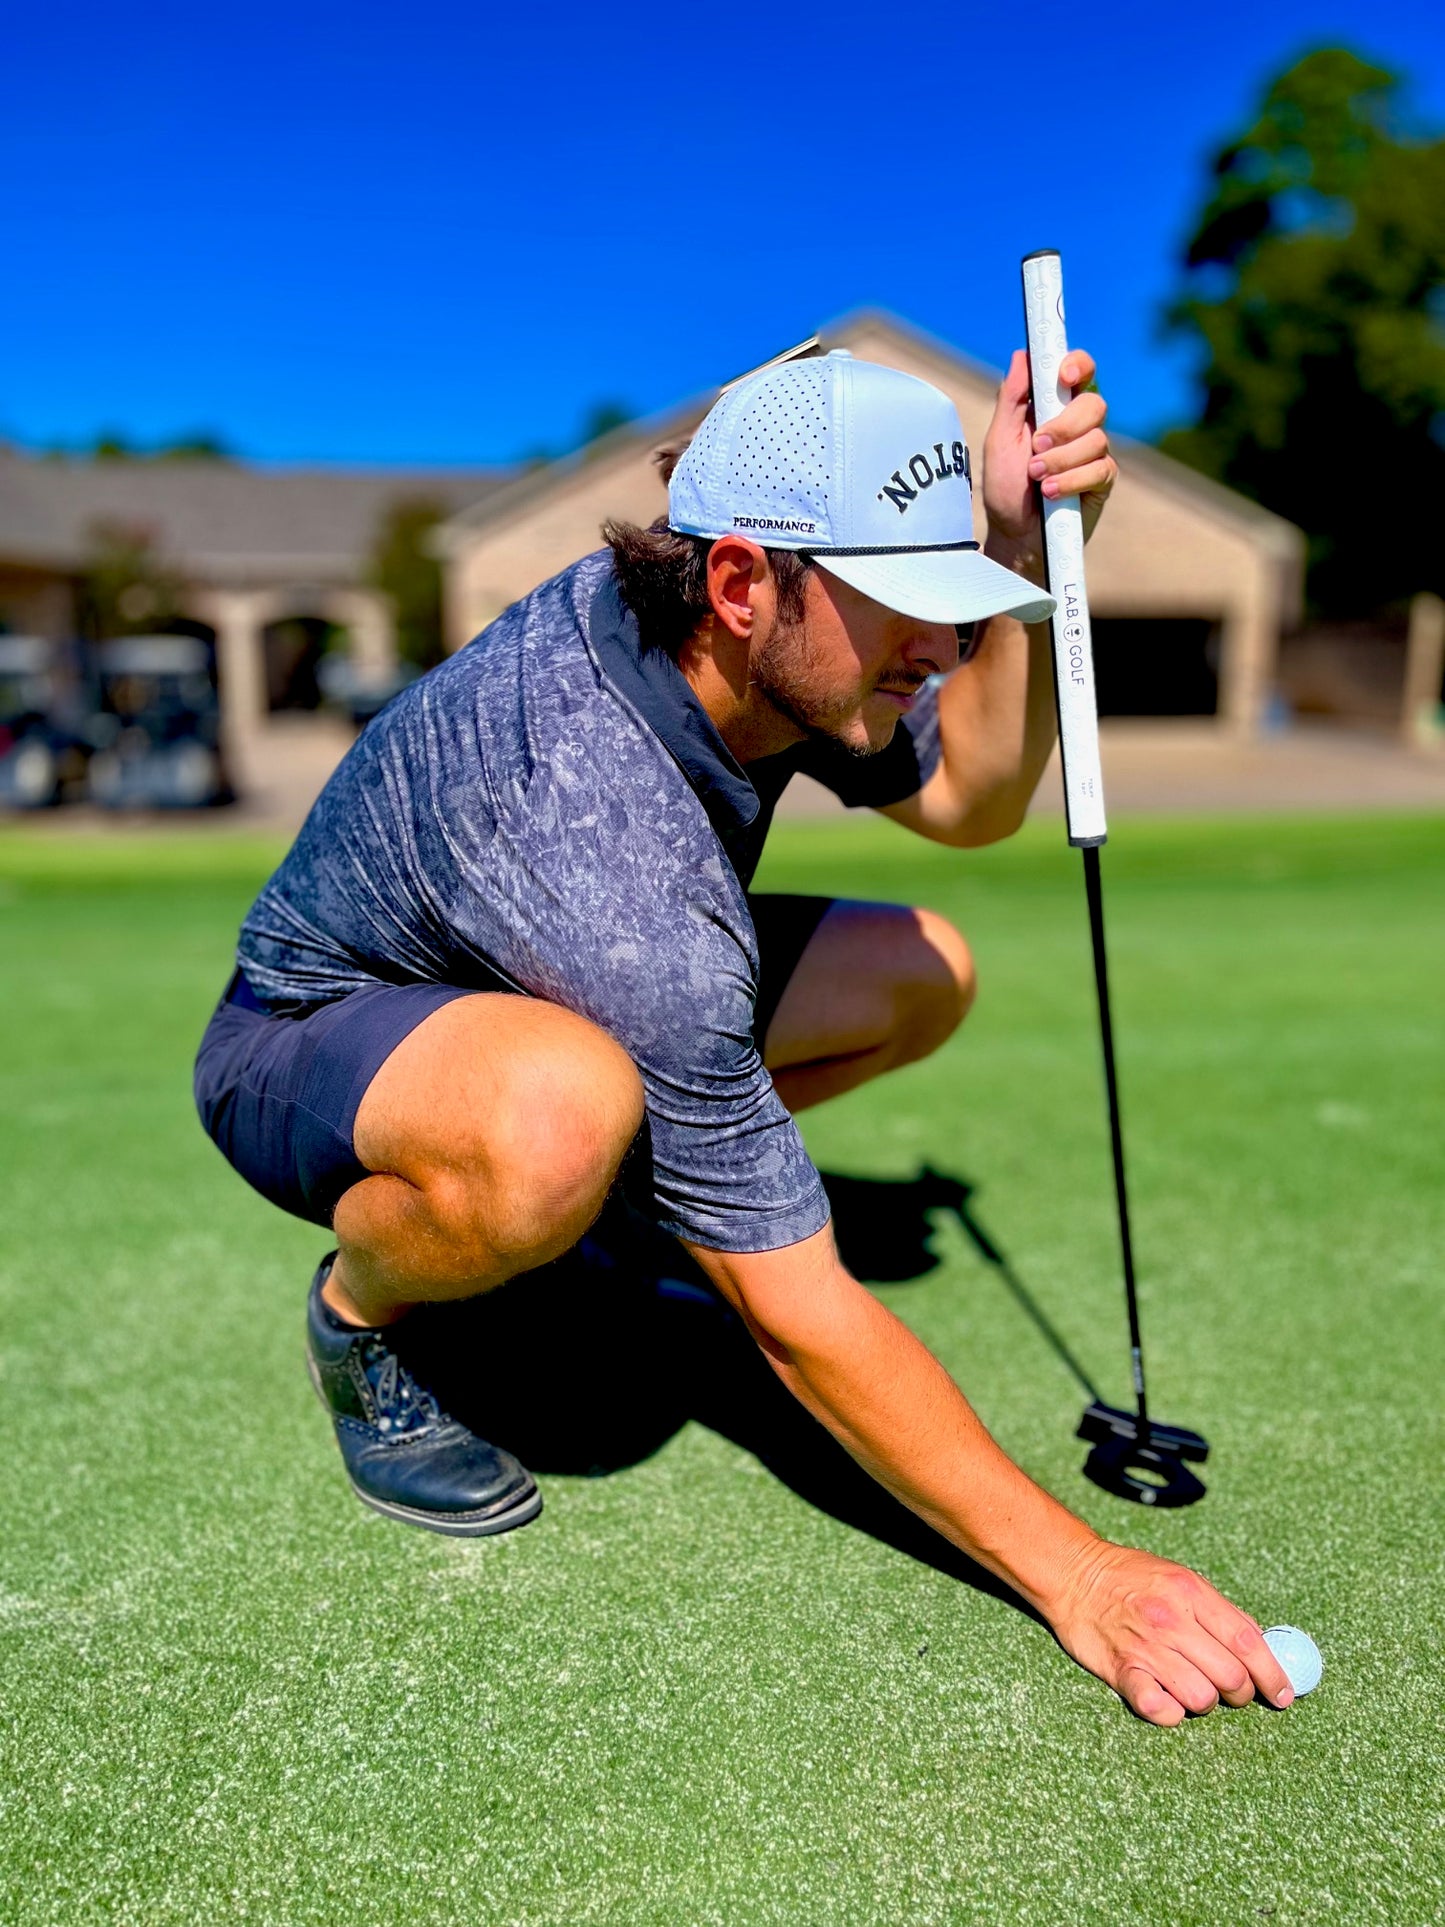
[
  {"x": 456, "y": 1525},
  {"x": 459, "y": 1525}
]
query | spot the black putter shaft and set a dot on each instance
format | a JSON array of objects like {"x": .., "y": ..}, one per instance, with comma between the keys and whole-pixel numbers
[
  {"x": 1094, "y": 891},
  {"x": 1130, "y": 1456}
]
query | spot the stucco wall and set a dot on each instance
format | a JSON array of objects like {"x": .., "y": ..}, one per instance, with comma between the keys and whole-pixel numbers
[{"x": 512, "y": 555}]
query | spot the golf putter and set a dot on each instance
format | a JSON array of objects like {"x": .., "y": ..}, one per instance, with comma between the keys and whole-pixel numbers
[{"x": 1131, "y": 1455}]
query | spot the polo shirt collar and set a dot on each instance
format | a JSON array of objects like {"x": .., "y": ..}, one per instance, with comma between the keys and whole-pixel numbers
[{"x": 655, "y": 686}]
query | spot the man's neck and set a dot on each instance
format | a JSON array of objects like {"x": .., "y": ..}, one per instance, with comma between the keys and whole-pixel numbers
[{"x": 747, "y": 722}]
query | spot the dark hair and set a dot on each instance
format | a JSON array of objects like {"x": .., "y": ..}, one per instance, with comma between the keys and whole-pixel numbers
[{"x": 663, "y": 579}]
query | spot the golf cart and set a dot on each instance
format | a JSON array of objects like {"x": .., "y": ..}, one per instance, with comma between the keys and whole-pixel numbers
[
  {"x": 43, "y": 750},
  {"x": 157, "y": 729}
]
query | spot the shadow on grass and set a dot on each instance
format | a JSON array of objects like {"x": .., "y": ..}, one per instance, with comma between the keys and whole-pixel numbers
[{"x": 593, "y": 1363}]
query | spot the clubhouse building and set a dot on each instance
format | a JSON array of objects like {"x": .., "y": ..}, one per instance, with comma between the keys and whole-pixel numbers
[{"x": 1191, "y": 585}]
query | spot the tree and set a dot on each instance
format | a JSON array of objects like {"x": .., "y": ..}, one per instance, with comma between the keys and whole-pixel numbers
[
  {"x": 599, "y": 420},
  {"x": 602, "y": 419},
  {"x": 403, "y": 567},
  {"x": 124, "y": 587},
  {"x": 201, "y": 446},
  {"x": 1314, "y": 286}
]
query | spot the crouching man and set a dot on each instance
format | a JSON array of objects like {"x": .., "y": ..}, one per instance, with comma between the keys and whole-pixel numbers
[{"x": 515, "y": 939}]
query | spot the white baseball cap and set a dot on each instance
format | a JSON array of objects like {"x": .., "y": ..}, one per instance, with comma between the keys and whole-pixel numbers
[{"x": 864, "y": 468}]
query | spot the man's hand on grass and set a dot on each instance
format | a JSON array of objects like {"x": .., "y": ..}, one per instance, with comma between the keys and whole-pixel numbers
[
  {"x": 1068, "y": 457},
  {"x": 1161, "y": 1636}
]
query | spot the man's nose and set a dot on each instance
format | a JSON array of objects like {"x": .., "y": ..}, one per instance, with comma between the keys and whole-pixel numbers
[{"x": 933, "y": 650}]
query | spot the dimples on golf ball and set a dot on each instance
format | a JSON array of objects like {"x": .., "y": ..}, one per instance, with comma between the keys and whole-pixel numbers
[{"x": 1299, "y": 1656}]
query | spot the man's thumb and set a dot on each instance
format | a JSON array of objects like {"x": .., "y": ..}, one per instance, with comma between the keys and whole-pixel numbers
[{"x": 1015, "y": 389}]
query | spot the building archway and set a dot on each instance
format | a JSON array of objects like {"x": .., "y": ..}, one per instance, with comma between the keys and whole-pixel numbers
[{"x": 293, "y": 648}]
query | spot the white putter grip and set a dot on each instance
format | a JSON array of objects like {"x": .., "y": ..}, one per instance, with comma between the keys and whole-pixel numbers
[{"x": 1064, "y": 559}]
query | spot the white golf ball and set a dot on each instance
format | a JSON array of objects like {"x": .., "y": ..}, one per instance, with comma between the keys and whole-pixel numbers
[{"x": 1299, "y": 1656}]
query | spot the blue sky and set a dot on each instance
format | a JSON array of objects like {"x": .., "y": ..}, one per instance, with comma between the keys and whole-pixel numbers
[{"x": 439, "y": 234}]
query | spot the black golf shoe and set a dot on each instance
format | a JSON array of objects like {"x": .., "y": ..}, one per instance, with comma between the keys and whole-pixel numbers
[{"x": 404, "y": 1455}]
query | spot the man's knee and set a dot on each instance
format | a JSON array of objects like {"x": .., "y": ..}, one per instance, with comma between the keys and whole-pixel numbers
[
  {"x": 570, "y": 1106},
  {"x": 511, "y": 1117},
  {"x": 939, "y": 989}
]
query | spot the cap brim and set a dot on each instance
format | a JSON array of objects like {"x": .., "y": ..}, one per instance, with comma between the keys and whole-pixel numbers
[{"x": 940, "y": 585}]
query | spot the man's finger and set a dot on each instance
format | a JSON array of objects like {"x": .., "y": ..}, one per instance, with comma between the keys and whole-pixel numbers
[
  {"x": 1182, "y": 1679},
  {"x": 1078, "y": 368},
  {"x": 1092, "y": 476},
  {"x": 1014, "y": 394},
  {"x": 1224, "y": 1669},
  {"x": 1149, "y": 1699},
  {"x": 1077, "y": 418},
  {"x": 1238, "y": 1633},
  {"x": 1092, "y": 447}
]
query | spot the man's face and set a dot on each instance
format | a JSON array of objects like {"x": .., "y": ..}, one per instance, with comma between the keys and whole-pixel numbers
[{"x": 850, "y": 668}]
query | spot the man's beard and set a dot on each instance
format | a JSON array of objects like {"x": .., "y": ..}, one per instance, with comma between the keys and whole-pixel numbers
[{"x": 789, "y": 674}]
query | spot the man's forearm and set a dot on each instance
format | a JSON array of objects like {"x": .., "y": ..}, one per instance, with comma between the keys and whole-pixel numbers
[
  {"x": 884, "y": 1396},
  {"x": 996, "y": 714},
  {"x": 996, "y": 725}
]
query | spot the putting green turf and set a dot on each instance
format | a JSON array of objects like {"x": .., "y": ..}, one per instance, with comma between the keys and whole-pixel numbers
[{"x": 685, "y": 1695}]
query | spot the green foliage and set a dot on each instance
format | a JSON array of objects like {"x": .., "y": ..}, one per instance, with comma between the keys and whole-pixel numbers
[
  {"x": 112, "y": 446},
  {"x": 125, "y": 588},
  {"x": 403, "y": 567},
  {"x": 602, "y": 419},
  {"x": 200, "y": 447},
  {"x": 599, "y": 421},
  {"x": 1314, "y": 285}
]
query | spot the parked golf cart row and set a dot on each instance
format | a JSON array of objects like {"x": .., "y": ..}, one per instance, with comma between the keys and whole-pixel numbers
[
  {"x": 135, "y": 723},
  {"x": 128, "y": 724}
]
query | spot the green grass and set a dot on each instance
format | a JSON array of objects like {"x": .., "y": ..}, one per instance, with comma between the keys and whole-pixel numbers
[{"x": 685, "y": 1695}]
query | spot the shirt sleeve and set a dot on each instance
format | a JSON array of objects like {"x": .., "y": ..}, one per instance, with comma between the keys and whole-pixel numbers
[
  {"x": 615, "y": 899},
  {"x": 897, "y": 772}
]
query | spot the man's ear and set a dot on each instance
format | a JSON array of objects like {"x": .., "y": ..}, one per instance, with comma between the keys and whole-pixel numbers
[{"x": 736, "y": 569}]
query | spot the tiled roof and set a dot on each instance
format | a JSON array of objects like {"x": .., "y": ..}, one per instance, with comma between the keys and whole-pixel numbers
[{"x": 222, "y": 521}]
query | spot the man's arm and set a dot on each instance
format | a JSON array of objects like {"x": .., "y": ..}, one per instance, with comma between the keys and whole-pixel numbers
[
  {"x": 1161, "y": 1636},
  {"x": 996, "y": 711}
]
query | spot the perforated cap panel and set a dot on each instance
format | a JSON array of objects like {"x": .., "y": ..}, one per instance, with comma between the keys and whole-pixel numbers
[
  {"x": 861, "y": 460},
  {"x": 762, "y": 463}
]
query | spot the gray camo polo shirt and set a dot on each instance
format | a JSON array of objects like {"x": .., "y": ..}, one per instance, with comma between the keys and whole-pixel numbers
[{"x": 554, "y": 805}]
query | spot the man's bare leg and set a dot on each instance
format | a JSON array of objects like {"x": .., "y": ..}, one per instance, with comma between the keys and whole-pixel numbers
[
  {"x": 878, "y": 985},
  {"x": 494, "y": 1132}
]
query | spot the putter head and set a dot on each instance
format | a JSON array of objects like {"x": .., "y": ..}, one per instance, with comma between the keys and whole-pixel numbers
[{"x": 1148, "y": 1473}]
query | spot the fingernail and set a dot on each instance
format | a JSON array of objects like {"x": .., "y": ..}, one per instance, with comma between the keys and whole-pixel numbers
[
  {"x": 1036, "y": 468},
  {"x": 1286, "y": 1698},
  {"x": 1041, "y": 442},
  {"x": 1051, "y": 487},
  {"x": 1070, "y": 373}
]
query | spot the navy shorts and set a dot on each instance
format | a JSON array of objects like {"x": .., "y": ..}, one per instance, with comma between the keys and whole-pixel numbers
[{"x": 279, "y": 1095}]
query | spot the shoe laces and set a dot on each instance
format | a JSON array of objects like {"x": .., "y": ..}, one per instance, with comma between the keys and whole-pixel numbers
[{"x": 402, "y": 1406}]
